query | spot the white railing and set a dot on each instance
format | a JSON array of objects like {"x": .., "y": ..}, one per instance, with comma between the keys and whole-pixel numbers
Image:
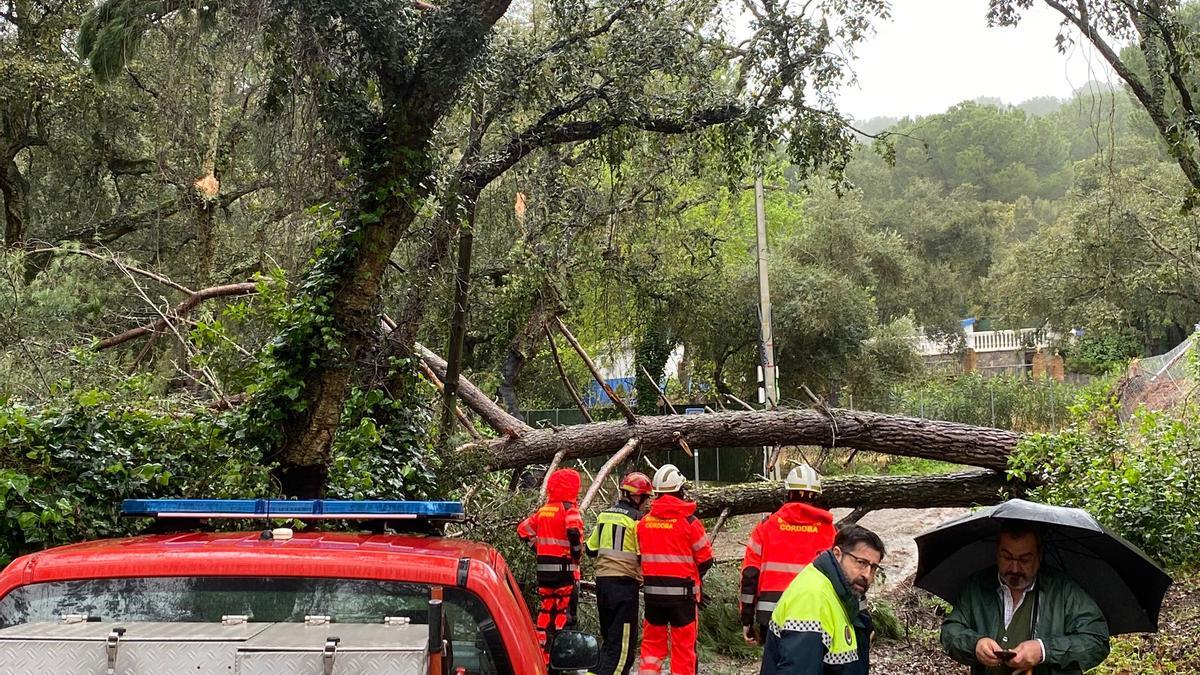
[
  {"x": 1009, "y": 340},
  {"x": 991, "y": 341}
]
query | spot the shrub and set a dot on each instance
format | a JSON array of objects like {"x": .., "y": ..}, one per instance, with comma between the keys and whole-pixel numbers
[{"x": 1137, "y": 478}]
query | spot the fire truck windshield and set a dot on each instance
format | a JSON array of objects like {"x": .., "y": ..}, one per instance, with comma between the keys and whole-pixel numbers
[{"x": 476, "y": 643}]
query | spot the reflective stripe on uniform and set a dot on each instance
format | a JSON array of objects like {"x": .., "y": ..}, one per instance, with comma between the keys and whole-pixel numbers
[
  {"x": 791, "y": 568},
  {"x": 765, "y": 606},
  {"x": 543, "y": 567},
  {"x": 700, "y": 544},
  {"x": 755, "y": 546},
  {"x": 666, "y": 590},
  {"x": 746, "y": 598},
  {"x": 551, "y": 541},
  {"x": 623, "y": 659},
  {"x": 614, "y": 553},
  {"x": 666, "y": 558}
]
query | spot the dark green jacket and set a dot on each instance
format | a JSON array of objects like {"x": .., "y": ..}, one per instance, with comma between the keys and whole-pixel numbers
[{"x": 1069, "y": 623}]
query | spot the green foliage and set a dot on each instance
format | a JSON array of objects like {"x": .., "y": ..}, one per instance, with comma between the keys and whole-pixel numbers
[
  {"x": 111, "y": 34},
  {"x": 1099, "y": 354},
  {"x": 720, "y": 627},
  {"x": 887, "y": 626},
  {"x": 384, "y": 450},
  {"x": 67, "y": 464},
  {"x": 1139, "y": 478},
  {"x": 1007, "y": 402},
  {"x": 1116, "y": 263},
  {"x": 653, "y": 347}
]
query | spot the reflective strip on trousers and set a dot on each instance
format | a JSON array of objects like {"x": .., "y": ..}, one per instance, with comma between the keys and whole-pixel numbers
[
  {"x": 791, "y": 568},
  {"x": 666, "y": 590},
  {"x": 747, "y": 599},
  {"x": 621, "y": 555},
  {"x": 765, "y": 606},
  {"x": 664, "y": 558},
  {"x": 545, "y": 567}
]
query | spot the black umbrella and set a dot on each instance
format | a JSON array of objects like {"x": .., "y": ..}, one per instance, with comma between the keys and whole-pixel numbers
[{"x": 1127, "y": 585}]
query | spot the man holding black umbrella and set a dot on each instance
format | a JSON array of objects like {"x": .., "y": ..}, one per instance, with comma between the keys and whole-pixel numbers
[{"x": 1019, "y": 617}]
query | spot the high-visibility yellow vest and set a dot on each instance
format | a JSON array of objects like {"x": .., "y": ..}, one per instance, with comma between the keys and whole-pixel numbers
[
  {"x": 614, "y": 541},
  {"x": 810, "y": 604}
]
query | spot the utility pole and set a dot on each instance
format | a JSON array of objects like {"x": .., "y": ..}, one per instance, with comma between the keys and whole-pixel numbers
[{"x": 769, "y": 393}]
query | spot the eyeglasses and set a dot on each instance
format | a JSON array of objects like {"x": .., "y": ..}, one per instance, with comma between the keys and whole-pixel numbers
[{"x": 875, "y": 568}]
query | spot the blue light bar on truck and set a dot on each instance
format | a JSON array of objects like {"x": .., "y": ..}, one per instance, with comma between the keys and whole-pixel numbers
[{"x": 303, "y": 509}]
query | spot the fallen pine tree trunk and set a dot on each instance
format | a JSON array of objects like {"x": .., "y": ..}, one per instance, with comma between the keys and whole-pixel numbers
[
  {"x": 965, "y": 488},
  {"x": 864, "y": 431}
]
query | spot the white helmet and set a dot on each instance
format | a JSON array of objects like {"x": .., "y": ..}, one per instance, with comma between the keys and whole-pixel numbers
[
  {"x": 803, "y": 477},
  {"x": 667, "y": 479}
]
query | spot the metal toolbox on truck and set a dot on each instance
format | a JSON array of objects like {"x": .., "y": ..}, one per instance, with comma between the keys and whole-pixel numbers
[
  {"x": 134, "y": 648},
  {"x": 333, "y": 649}
]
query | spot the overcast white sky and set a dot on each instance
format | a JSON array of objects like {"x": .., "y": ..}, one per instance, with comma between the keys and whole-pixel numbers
[{"x": 933, "y": 54}]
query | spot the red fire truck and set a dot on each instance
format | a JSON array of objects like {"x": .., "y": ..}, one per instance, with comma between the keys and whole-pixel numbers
[{"x": 274, "y": 601}]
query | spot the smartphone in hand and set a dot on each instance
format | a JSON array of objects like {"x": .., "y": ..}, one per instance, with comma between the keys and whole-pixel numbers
[{"x": 1005, "y": 655}]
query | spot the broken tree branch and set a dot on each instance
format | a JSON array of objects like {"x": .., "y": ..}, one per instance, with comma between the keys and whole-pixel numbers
[
  {"x": 719, "y": 524},
  {"x": 629, "y": 416},
  {"x": 476, "y": 400},
  {"x": 113, "y": 259},
  {"x": 437, "y": 384},
  {"x": 616, "y": 459},
  {"x": 178, "y": 312},
  {"x": 661, "y": 394},
  {"x": 558, "y": 458},
  {"x": 563, "y": 374},
  {"x": 853, "y": 517},
  {"x": 740, "y": 402}
]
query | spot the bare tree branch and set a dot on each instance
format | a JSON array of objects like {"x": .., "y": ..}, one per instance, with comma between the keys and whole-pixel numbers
[{"x": 180, "y": 310}]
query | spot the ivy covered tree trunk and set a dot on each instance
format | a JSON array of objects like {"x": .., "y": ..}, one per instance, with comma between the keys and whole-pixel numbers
[
  {"x": 337, "y": 315},
  {"x": 650, "y": 356}
]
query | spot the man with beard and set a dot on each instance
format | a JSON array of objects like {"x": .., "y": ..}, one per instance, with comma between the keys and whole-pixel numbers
[
  {"x": 1020, "y": 617},
  {"x": 821, "y": 626}
]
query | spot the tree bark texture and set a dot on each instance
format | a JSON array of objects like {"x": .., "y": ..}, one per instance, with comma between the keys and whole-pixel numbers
[
  {"x": 864, "y": 431},
  {"x": 14, "y": 188},
  {"x": 964, "y": 488},
  {"x": 394, "y": 186},
  {"x": 475, "y": 399}
]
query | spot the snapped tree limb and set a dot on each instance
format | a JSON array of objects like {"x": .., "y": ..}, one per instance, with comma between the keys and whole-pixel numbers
[{"x": 964, "y": 488}]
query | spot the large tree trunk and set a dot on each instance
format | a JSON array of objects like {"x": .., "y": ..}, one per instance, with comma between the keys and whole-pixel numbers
[
  {"x": 15, "y": 189},
  {"x": 965, "y": 488},
  {"x": 865, "y": 431},
  {"x": 397, "y": 164}
]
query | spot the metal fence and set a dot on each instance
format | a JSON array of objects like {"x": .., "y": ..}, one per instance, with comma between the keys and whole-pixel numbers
[{"x": 1158, "y": 382}]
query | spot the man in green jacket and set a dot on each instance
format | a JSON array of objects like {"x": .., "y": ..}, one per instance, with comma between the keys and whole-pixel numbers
[{"x": 1019, "y": 617}]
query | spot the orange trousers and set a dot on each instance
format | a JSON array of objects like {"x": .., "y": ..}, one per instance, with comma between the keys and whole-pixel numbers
[{"x": 675, "y": 625}]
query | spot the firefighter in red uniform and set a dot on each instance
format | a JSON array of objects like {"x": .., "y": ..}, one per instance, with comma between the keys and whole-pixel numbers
[
  {"x": 779, "y": 547},
  {"x": 555, "y": 533},
  {"x": 675, "y": 555}
]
